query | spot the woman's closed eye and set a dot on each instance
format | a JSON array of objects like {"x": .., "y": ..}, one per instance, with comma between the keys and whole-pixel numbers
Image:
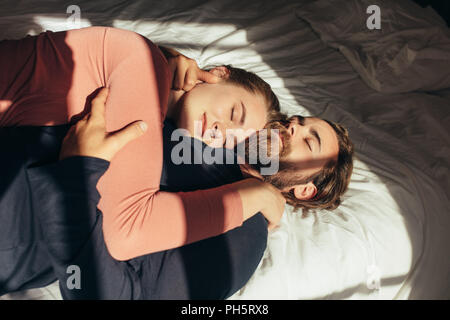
[{"x": 237, "y": 114}]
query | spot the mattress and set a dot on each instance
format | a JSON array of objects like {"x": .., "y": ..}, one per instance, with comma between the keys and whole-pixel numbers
[{"x": 390, "y": 87}]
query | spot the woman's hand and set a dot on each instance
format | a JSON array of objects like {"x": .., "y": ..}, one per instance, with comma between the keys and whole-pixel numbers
[
  {"x": 275, "y": 203},
  {"x": 258, "y": 196},
  {"x": 88, "y": 137},
  {"x": 185, "y": 71}
]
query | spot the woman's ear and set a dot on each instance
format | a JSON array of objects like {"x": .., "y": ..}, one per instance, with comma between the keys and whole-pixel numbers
[
  {"x": 222, "y": 72},
  {"x": 305, "y": 191}
]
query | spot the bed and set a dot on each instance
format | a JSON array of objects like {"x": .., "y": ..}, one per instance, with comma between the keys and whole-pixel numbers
[{"x": 390, "y": 87}]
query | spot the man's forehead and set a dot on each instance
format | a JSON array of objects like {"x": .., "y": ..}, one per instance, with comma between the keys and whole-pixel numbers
[
  {"x": 327, "y": 132},
  {"x": 304, "y": 119},
  {"x": 311, "y": 120}
]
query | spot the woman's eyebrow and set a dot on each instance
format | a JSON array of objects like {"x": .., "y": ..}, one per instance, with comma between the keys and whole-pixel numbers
[{"x": 244, "y": 112}]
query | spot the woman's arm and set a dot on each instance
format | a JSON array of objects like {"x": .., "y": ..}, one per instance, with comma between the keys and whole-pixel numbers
[{"x": 138, "y": 217}]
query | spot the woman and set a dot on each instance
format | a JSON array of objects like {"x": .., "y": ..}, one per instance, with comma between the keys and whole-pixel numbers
[{"x": 41, "y": 74}]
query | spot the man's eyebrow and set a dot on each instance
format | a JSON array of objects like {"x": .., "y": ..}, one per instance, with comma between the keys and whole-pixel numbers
[
  {"x": 244, "y": 112},
  {"x": 316, "y": 135}
]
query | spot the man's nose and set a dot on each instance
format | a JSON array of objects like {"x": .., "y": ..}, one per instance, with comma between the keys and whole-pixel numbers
[{"x": 293, "y": 129}]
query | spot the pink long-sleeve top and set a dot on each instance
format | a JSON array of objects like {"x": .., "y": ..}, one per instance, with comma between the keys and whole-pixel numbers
[{"x": 44, "y": 80}]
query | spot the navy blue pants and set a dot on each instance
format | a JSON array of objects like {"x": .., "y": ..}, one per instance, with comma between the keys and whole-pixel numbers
[{"x": 50, "y": 223}]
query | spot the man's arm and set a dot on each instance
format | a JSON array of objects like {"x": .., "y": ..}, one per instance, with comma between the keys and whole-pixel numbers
[{"x": 65, "y": 199}]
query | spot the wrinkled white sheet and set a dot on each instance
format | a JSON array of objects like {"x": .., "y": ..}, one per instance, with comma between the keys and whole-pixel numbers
[
  {"x": 393, "y": 225},
  {"x": 409, "y": 52}
]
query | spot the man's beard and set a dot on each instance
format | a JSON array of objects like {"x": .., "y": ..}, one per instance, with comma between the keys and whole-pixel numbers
[
  {"x": 288, "y": 174},
  {"x": 264, "y": 146}
]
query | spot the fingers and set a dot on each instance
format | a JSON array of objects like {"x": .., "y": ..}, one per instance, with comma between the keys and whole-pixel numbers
[
  {"x": 98, "y": 105},
  {"x": 194, "y": 77},
  {"x": 173, "y": 69},
  {"x": 88, "y": 137},
  {"x": 190, "y": 80},
  {"x": 179, "y": 76},
  {"x": 120, "y": 138},
  {"x": 186, "y": 74},
  {"x": 207, "y": 76},
  {"x": 184, "y": 79}
]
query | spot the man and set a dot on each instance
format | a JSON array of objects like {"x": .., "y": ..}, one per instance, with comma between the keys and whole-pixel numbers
[
  {"x": 315, "y": 162},
  {"x": 312, "y": 147}
]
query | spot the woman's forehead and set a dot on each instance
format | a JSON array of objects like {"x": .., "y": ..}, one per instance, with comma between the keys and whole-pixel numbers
[
  {"x": 253, "y": 103},
  {"x": 257, "y": 110}
]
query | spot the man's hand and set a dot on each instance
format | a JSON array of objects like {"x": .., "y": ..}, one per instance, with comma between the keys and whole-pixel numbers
[
  {"x": 88, "y": 137},
  {"x": 186, "y": 73}
]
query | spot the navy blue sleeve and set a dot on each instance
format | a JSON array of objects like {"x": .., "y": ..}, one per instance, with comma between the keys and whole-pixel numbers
[
  {"x": 214, "y": 268},
  {"x": 65, "y": 199},
  {"x": 67, "y": 186}
]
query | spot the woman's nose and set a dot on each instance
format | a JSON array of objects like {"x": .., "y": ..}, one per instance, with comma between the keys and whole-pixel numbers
[
  {"x": 229, "y": 134},
  {"x": 219, "y": 130}
]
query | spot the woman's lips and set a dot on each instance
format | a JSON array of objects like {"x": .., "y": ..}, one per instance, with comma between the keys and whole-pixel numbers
[{"x": 203, "y": 119}]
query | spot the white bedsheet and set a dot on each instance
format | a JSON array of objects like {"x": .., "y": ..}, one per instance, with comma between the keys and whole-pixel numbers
[{"x": 393, "y": 225}]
